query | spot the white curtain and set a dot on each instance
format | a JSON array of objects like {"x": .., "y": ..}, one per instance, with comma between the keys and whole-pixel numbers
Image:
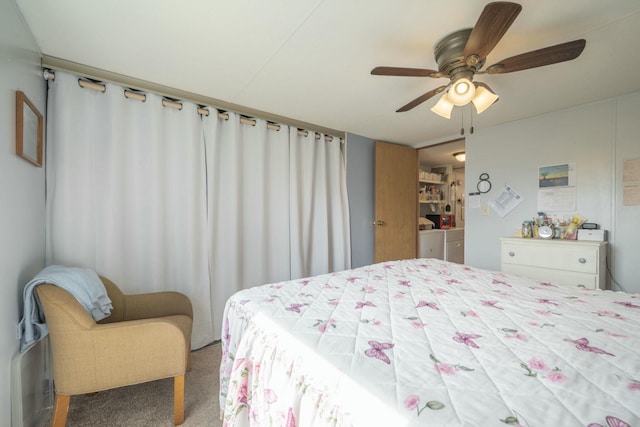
[
  {"x": 319, "y": 205},
  {"x": 126, "y": 193},
  {"x": 248, "y": 178},
  {"x": 156, "y": 198}
]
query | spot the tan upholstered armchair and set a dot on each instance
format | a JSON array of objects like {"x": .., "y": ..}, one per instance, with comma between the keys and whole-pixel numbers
[{"x": 146, "y": 338}]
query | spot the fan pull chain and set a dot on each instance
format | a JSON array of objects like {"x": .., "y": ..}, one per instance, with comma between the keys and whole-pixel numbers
[
  {"x": 471, "y": 129},
  {"x": 462, "y": 121}
]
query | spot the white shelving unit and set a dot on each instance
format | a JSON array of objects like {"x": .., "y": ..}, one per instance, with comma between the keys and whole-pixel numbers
[{"x": 435, "y": 194}]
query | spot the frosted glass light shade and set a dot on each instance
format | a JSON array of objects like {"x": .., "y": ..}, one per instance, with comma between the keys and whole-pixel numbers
[
  {"x": 443, "y": 107},
  {"x": 462, "y": 92},
  {"x": 484, "y": 99}
]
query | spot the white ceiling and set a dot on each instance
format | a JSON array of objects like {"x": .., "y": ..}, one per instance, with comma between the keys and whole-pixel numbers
[
  {"x": 310, "y": 60},
  {"x": 441, "y": 154}
]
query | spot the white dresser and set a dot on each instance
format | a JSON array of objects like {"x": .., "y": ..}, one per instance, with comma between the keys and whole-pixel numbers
[{"x": 567, "y": 262}]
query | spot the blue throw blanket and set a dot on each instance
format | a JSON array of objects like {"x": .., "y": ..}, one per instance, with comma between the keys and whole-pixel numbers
[{"x": 82, "y": 283}]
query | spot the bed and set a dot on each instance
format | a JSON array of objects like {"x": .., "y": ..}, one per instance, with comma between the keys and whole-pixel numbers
[{"x": 425, "y": 342}]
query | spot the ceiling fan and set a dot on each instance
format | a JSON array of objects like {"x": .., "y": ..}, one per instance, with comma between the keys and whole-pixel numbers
[{"x": 462, "y": 54}]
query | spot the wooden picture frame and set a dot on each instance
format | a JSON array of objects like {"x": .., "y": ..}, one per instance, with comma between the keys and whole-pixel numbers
[{"x": 29, "y": 130}]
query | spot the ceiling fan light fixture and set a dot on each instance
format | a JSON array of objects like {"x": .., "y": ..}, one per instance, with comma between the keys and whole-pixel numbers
[
  {"x": 461, "y": 156},
  {"x": 443, "y": 107},
  {"x": 462, "y": 92},
  {"x": 483, "y": 99},
  {"x": 462, "y": 54}
]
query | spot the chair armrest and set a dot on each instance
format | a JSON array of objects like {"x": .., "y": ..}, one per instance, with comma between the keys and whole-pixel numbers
[
  {"x": 156, "y": 304},
  {"x": 123, "y": 353}
]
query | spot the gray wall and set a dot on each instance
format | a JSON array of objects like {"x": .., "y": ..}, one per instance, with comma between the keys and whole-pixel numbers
[
  {"x": 22, "y": 242},
  {"x": 596, "y": 138},
  {"x": 360, "y": 180}
]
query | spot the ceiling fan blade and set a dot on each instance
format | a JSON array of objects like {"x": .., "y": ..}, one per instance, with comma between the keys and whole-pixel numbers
[
  {"x": 493, "y": 23},
  {"x": 405, "y": 72},
  {"x": 539, "y": 58},
  {"x": 419, "y": 100}
]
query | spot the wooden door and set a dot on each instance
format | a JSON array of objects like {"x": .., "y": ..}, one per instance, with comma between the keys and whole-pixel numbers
[{"x": 396, "y": 202}]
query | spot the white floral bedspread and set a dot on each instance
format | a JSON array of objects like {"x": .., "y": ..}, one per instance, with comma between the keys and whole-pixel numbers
[{"x": 426, "y": 342}]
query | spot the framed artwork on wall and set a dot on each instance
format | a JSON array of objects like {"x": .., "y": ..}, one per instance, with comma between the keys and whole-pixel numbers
[{"x": 29, "y": 130}]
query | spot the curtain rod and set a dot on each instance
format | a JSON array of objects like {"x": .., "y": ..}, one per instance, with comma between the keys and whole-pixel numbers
[
  {"x": 134, "y": 94},
  {"x": 143, "y": 85}
]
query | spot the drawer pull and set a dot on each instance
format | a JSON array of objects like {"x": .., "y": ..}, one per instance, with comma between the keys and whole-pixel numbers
[
  {"x": 512, "y": 253},
  {"x": 581, "y": 286},
  {"x": 582, "y": 260}
]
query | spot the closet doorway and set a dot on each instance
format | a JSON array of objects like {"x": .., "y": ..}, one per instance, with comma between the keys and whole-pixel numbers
[{"x": 440, "y": 160}]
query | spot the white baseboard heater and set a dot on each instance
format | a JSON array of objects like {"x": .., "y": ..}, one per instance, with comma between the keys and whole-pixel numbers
[{"x": 32, "y": 386}]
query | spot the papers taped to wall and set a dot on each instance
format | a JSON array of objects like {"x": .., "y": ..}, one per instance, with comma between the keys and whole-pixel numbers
[{"x": 505, "y": 201}]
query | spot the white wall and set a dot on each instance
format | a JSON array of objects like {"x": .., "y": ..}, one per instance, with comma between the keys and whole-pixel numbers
[
  {"x": 626, "y": 253},
  {"x": 596, "y": 138},
  {"x": 22, "y": 190}
]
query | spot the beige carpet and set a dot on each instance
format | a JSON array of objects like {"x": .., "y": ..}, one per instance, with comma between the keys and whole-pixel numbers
[{"x": 151, "y": 404}]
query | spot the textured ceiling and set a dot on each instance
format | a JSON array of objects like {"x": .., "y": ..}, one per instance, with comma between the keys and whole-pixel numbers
[{"x": 310, "y": 60}]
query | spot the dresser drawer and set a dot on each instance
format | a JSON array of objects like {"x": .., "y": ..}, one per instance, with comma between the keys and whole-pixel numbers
[
  {"x": 560, "y": 277},
  {"x": 552, "y": 255}
]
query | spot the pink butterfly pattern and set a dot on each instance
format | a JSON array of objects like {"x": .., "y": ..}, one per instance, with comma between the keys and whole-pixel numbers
[
  {"x": 295, "y": 307},
  {"x": 361, "y": 304},
  {"x": 611, "y": 422},
  {"x": 431, "y": 305},
  {"x": 377, "y": 350},
  {"x": 547, "y": 284},
  {"x": 583, "y": 344},
  {"x": 627, "y": 304},
  {"x": 546, "y": 301},
  {"x": 467, "y": 339},
  {"x": 491, "y": 304},
  {"x": 500, "y": 282}
]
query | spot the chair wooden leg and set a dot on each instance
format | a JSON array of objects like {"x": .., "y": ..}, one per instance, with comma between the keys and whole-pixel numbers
[
  {"x": 178, "y": 400},
  {"x": 60, "y": 410}
]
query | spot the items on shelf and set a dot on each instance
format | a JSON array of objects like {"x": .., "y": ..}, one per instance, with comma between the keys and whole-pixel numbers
[
  {"x": 431, "y": 193},
  {"x": 435, "y": 191},
  {"x": 430, "y": 176}
]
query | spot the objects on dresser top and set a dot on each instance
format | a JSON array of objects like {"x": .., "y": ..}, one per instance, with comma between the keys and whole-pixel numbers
[
  {"x": 595, "y": 235},
  {"x": 574, "y": 227}
]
